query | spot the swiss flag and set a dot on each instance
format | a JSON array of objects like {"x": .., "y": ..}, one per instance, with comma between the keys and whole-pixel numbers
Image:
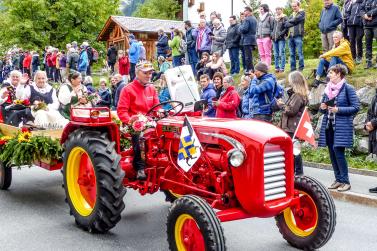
[{"x": 305, "y": 130}]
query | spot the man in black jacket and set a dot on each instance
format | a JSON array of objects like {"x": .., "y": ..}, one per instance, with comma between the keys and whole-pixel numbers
[
  {"x": 112, "y": 54},
  {"x": 191, "y": 43},
  {"x": 248, "y": 30},
  {"x": 295, "y": 24},
  {"x": 162, "y": 44},
  {"x": 328, "y": 23},
  {"x": 369, "y": 14},
  {"x": 232, "y": 43},
  {"x": 355, "y": 31}
]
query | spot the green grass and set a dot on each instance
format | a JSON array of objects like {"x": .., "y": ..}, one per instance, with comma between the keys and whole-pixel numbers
[{"x": 321, "y": 155}]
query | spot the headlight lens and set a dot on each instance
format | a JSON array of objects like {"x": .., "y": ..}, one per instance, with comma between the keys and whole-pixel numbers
[
  {"x": 236, "y": 157},
  {"x": 296, "y": 147}
]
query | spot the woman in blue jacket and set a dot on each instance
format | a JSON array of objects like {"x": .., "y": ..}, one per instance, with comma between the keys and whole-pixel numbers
[{"x": 339, "y": 105}]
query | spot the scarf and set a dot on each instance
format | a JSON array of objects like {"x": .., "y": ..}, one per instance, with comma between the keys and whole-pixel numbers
[
  {"x": 200, "y": 38},
  {"x": 332, "y": 89},
  {"x": 263, "y": 17}
]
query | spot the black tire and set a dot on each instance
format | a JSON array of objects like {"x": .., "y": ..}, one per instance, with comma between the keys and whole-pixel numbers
[
  {"x": 5, "y": 176},
  {"x": 110, "y": 191},
  {"x": 205, "y": 218},
  {"x": 326, "y": 216}
]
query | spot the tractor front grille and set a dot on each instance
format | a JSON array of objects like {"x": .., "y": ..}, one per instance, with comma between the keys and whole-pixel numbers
[{"x": 274, "y": 173}]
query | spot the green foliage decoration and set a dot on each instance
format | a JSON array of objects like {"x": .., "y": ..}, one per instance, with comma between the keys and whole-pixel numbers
[{"x": 25, "y": 149}]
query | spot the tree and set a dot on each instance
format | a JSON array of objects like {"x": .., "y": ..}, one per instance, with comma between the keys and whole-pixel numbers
[
  {"x": 312, "y": 39},
  {"x": 158, "y": 9},
  {"x": 37, "y": 23}
]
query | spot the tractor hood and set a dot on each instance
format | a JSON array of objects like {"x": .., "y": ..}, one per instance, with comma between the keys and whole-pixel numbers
[{"x": 239, "y": 129}]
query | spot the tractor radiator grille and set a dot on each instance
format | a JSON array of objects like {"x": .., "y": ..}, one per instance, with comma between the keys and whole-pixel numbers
[{"x": 274, "y": 174}]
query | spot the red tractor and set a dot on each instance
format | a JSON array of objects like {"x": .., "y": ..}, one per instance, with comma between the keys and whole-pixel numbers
[{"x": 245, "y": 170}]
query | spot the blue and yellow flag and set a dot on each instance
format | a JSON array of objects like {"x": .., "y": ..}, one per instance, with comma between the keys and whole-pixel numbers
[{"x": 189, "y": 147}]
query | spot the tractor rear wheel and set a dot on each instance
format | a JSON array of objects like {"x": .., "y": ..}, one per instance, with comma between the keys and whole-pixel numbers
[
  {"x": 93, "y": 180},
  {"x": 192, "y": 225},
  {"x": 310, "y": 224},
  {"x": 5, "y": 176}
]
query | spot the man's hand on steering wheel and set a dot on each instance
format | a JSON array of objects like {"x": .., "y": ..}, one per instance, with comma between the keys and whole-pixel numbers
[{"x": 162, "y": 113}]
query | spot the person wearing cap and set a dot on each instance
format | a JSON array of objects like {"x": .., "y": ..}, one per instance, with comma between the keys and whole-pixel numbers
[
  {"x": 227, "y": 105},
  {"x": 138, "y": 97},
  {"x": 248, "y": 30},
  {"x": 112, "y": 53},
  {"x": 134, "y": 54},
  {"x": 261, "y": 93}
]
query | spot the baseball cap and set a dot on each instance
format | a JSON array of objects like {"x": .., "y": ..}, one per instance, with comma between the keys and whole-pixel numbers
[{"x": 145, "y": 66}]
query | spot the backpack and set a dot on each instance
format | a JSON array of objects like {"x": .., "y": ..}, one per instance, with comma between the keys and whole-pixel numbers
[
  {"x": 182, "y": 46},
  {"x": 277, "y": 93}
]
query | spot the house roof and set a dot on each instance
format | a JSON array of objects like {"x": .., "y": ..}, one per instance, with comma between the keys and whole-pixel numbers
[
  {"x": 146, "y": 24},
  {"x": 137, "y": 24}
]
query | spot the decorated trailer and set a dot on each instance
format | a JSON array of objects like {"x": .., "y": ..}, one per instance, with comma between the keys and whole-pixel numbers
[{"x": 212, "y": 170}]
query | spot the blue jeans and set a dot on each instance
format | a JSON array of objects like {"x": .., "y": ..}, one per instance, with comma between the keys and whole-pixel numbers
[
  {"x": 234, "y": 55},
  {"x": 177, "y": 61},
  {"x": 279, "y": 54},
  {"x": 295, "y": 43},
  {"x": 338, "y": 159},
  {"x": 193, "y": 59},
  {"x": 324, "y": 65}
]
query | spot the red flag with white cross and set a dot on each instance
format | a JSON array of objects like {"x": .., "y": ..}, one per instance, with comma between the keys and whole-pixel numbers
[{"x": 305, "y": 130}]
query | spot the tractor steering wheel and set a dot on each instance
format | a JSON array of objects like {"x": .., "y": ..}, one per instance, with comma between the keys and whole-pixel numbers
[{"x": 166, "y": 113}]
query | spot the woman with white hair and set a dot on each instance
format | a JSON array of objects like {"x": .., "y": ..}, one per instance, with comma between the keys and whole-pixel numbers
[
  {"x": 44, "y": 103},
  {"x": 227, "y": 105}
]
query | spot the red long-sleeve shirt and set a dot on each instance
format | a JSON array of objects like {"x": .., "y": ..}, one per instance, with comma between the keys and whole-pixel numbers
[
  {"x": 136, "y": 98},
  {"x": 124, "y": 66}
]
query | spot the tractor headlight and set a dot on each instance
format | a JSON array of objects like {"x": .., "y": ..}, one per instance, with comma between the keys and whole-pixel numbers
[
  {"x": 296, "y": 147},
  {"x": 236, "y": 157}
]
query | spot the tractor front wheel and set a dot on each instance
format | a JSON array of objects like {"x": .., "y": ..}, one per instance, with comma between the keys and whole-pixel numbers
[
  {"x": 192, "y": 225},
  {"x": 5, "y": 176},
  {"x": 309, "y": 224},
  {"x": 93, "y": 180}
]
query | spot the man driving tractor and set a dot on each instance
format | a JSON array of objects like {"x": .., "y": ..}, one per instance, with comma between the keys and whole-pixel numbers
[{"x": 138, "y": 97}]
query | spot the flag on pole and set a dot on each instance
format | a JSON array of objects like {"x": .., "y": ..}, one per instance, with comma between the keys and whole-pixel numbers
[
  {"x": 304, "y": 130},
  {"x": 189, "y": 147}
]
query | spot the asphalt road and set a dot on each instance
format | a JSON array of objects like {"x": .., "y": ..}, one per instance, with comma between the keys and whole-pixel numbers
[{"x": 34, "y": 216}]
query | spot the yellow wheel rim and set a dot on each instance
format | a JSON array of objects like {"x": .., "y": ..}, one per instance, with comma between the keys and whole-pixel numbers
[
  {"x": 81, "y": 181},
  {"x": 303, "y": 221},
  {"x": 175, "y": 194},
  {"x": 187, "y": 234}
]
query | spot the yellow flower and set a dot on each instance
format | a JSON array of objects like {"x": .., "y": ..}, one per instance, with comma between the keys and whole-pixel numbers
[
  {"x": 18, "y": 102},
  {"x": 24, "y": 137},
  {"x": 6, "y": 138}
]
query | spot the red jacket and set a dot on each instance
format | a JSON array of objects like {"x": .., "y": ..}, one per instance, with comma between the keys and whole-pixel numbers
[
  {"x": 49, "y": 60},
  {"x": 228, "y": 104},
  {"x": 53, "y": 58},
  {"x": 124, "y": 66},
  {"x": 136, "y": 98},
  {"x": 27, "y": 61}
]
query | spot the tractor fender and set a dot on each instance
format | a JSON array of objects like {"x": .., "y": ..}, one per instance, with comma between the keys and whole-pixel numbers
[{"x": 111, "y": 128}]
